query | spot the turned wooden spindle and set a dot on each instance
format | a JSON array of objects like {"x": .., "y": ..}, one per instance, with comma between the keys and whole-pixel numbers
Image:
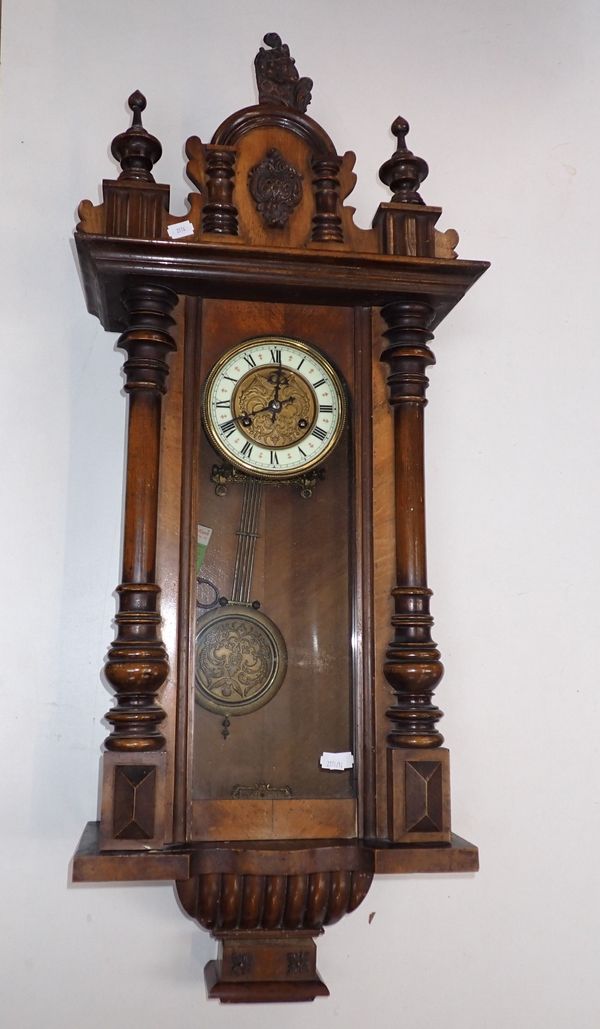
[
  {"x": 219, "y": 213},
  {"x": 412, "y": 667},
  {"x": 327, "y": 223},
  {"x": 137, "y": 663}
]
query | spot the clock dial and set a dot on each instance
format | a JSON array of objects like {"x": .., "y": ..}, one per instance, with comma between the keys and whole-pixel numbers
[{"x": 274, "y": 407}]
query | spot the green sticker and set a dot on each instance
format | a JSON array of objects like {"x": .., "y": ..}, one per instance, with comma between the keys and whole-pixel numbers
[{"x": 203, "y": 539}]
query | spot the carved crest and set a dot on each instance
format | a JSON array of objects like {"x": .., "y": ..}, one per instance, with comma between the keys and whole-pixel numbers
[
  {"x": 276, "y": 188},
  {"x": 277, "y": 77}
]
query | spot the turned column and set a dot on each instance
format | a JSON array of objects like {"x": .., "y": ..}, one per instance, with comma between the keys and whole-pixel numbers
[
  {"x": 137, "y": 664},
  {"x": 412, "y": 665},
  {"x": 417, "y": 770}
]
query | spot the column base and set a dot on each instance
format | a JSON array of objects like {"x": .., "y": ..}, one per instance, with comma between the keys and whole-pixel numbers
[
  {"x": 418, "y": 784},
  {"x": 133, "y": 800}
]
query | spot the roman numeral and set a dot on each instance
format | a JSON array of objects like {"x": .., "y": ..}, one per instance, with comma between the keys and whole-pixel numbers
[
  {"x": 302, "y": 451},
  {"x": 250, "y": 360},
  {"x": 301, "y": 363},
  {"x": 223, "y": 403},
  {"x": 319, "y": 432},
  {"x": 326, "y": 408},
  {"x": 276, "y": 356},
  {"x": 227, "y": 428},
  {"x": 316, "y": 385},
  {"x": 247, "y": 450},
  {"x": 274, "y": 458},
  {"x": 229, "y": 378}
]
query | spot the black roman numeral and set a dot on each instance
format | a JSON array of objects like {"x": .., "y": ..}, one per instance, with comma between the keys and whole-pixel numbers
[
  {"x": 316, "y": 385},
  {"x": 302, "y": 451},
  {"x": 247, "y": 450},
  {"x": 223, "y": 403},
  {"x": 301, "y": 363},
  {"x": 319, "y": 432},
  {"x": 250, "y": 360},
  {"x": 227, "y": 428},
  {"x": 326, "y": 408},
  {"x": 274, "y": 458},
  {"x": 276, "y": 356}
]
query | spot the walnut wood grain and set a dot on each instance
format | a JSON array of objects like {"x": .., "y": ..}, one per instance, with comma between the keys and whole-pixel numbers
[{"x": 312, "y": 818}]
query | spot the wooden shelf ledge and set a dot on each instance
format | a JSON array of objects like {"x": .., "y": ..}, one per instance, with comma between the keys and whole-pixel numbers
[
  {"x": 404, "y": 859},
  {"x": 90, "y": 864}
]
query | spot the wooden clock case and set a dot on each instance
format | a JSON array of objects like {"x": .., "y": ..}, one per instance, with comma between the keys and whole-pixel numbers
[{"x": 268, "y": 247}]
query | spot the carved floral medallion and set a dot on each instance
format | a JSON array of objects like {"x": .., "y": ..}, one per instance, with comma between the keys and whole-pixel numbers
[{"x": 276, "y": 188}]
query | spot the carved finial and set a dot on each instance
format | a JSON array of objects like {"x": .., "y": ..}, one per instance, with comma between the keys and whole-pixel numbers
[
  {"x": 404, "y": 172},
  {"x": 136, "y": 150},
  {"x": 137, "y": 103},
  {"x": 277, "y": 76}
]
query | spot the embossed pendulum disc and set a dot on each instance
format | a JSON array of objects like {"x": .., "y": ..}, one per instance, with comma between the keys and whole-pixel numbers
[{"x": 241, "y": 660}]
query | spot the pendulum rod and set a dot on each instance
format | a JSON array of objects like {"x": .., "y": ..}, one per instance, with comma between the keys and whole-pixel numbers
[{"x": 246, "y": 547}]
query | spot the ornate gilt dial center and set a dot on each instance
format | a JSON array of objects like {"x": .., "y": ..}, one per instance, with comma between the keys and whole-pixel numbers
[{"x": 275, "y": 407}]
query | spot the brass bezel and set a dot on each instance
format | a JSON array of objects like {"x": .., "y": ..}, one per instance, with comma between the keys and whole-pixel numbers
[{"x": 277, "y": 473}]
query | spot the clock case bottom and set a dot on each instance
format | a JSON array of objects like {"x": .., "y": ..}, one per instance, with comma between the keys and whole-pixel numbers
[{"x": 265, "y": 902}]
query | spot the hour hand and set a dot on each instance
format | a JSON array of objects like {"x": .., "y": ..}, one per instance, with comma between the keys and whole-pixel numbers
[{"x": 244, "y": 418}]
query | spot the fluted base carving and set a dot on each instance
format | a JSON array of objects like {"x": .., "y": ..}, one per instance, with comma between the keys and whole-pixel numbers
[
  {"x": 307, "y": 901},
  {"x": 265, "y": 926}
]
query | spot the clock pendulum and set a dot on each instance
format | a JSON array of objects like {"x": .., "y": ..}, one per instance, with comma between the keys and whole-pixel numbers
[{"x": 241, "y": 656}]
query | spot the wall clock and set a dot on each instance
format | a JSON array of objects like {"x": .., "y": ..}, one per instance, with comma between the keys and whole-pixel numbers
[{"x": 271, "y": 748}]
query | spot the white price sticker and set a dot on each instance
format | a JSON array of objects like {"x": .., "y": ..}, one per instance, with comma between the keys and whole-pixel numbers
[
  {"x": 204, "y": 534},
  {"x": 180, "y": 229},
  {"x": 337, "y": 762}
]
